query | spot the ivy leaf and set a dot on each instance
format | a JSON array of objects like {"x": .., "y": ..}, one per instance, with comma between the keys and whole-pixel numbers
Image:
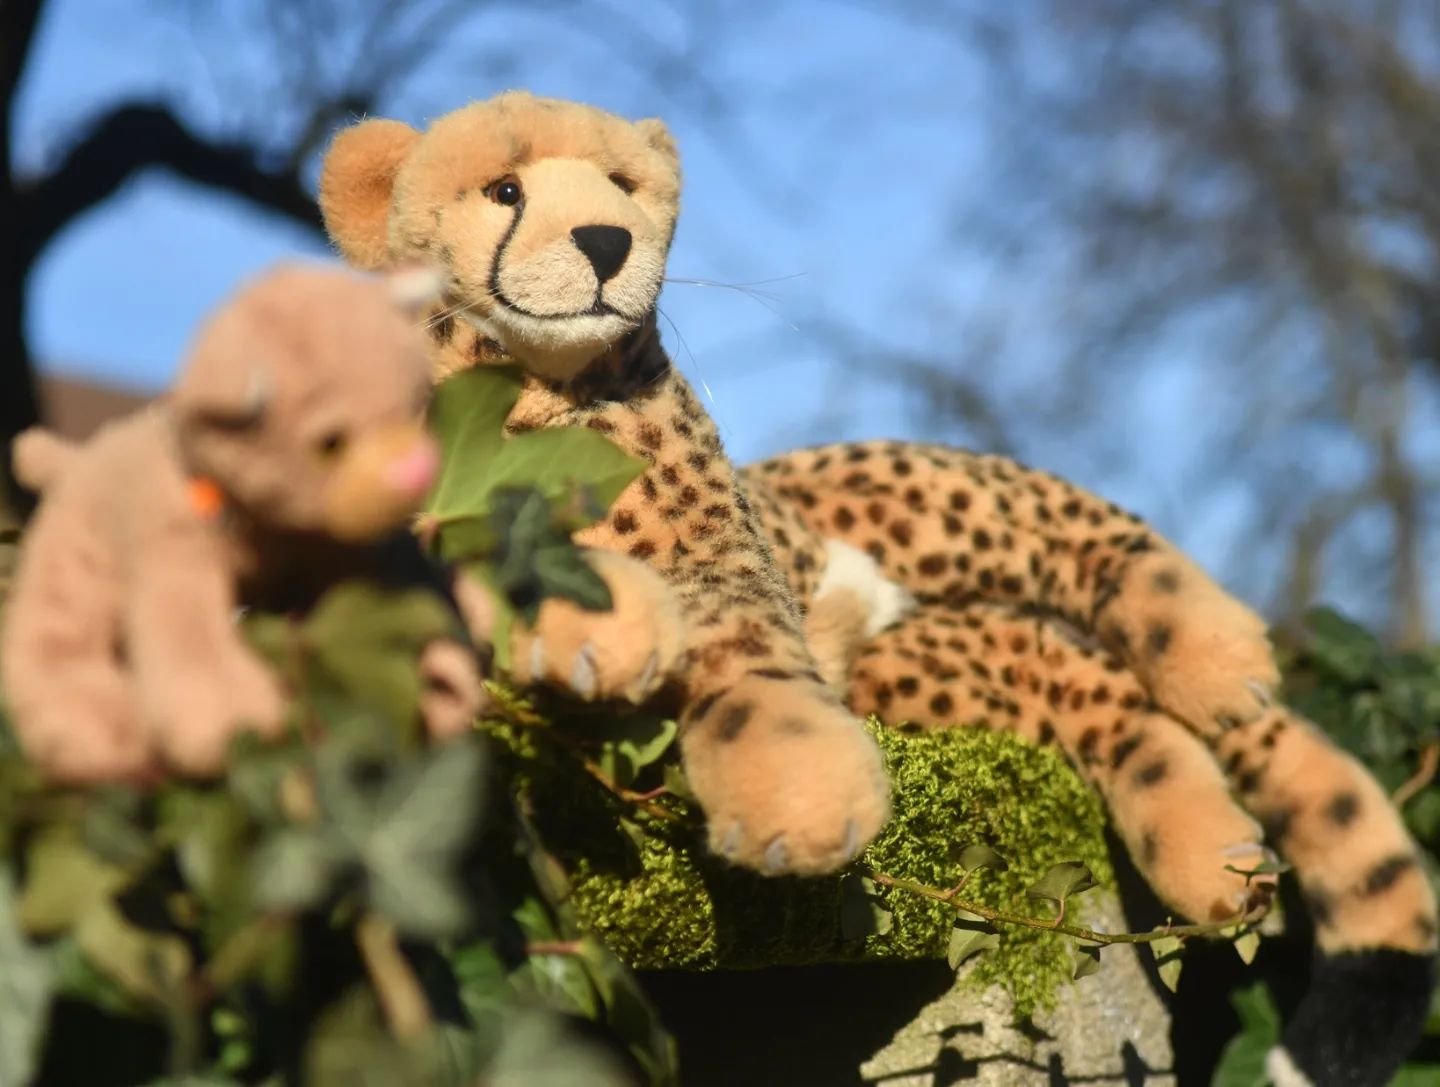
[
  {"x": 64, "y": 881},
  {"x": 630, "y": 743},
  {"x": 973, "y": 857},
  {"x": 676, "y": 783},
  {"x": 351, "y": 1047},
  {"x": 536, "y": 1052},
  {"x": 535, "y": 558},
  {"x": 1242, "y": 1063},
  {"x": 24, "y": 995},
  {"x": 467, "y": 415},
  {"x": 970, "y": 935},
  {"x": 1062, "y": 881},
  {"x": 364, "y": 643},
  {"x": 561, "y": 460},
  {"x": 1264, "y": 868},
  {"x": 1247, "y": 944},
  {"x": 628, "y": 1012},
  {"x": 1169, "y": 952},
  {"x": 1343, "y": 648},
  {"x": 862, "y": 911},
  {"x": 296, "y": 868},
  {"x": 408, "y": 833},
  {"x": 1087, "y": 960}
]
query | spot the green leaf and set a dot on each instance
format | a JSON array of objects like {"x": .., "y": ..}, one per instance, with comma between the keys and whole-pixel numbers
[
  {"x": 1242, "y": 1064},
  {"x": 24, "y": 994},
  {"x": 1169, "y": 952},
  {"x": 297, "y": 867},
  {"x": 862, "y": 911},
  {"x": 973, "y": 857},
  {"x": 1087, "y": 960},
  {"x": 1417, "y": 1075},
  {"x": 1062, "y": 881},
  {"x": 676, "y": 783},
  {"x": 970, "y": 935},
  {"x": 561, "y": 571},
  {"x": 536, "y": 1052},
  {"x": 631, "y": 742},
  {"x": 409, "y": 831},
  {"x": 64, "y": 881},
  {"x": 578, "y": 471},
  {"x": 350, "y": 1046},
  {"x": 628, "y": 1012},
  {"x": 467, "y": 415},
  {"x": 1264, "y": 868},
  {"x": 558, "y": 461},
  {"x": 1345, "y": 649},
  {"x": 364, "y": 643},
  {"x": 111, "y": 829},
  {"x": 1247, "y": 944}
]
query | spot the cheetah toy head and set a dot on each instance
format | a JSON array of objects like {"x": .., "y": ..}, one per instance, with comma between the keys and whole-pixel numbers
[{"x": 551, "y": 220}]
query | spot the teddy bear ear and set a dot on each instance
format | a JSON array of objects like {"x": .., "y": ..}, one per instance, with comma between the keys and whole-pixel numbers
[
  {"x": 226, "y": 396},
  {"x": 659, "y": 139},
  {"x": 357, "y": 184}
]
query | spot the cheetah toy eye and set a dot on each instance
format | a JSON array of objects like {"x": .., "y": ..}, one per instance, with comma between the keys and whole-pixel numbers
[{"x": 506, "y": 191}]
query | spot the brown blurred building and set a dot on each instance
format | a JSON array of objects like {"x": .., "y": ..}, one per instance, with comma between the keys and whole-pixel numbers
[{"x": 75, "y": 407}]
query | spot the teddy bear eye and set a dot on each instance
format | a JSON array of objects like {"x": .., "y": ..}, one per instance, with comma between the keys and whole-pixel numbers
[
  {"x": 331, "y": 444},
  {"x": 506, "y": 191},
  {"x": 623, "y": 183}
]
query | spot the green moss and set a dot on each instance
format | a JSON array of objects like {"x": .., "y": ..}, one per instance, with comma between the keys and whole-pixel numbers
[{"x": 649, "y": 889}]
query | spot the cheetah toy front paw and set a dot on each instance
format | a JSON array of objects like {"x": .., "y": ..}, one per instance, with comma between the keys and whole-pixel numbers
[
  {"x": 626, "y": 653},
  {"x": 789, "y": 780}
]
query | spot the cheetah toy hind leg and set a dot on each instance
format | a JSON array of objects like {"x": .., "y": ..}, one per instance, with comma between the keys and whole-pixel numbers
[{"x": 958, "y": 529}]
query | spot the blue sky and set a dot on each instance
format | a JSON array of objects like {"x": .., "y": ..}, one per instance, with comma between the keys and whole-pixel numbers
[{"x": 829, "y": 151}]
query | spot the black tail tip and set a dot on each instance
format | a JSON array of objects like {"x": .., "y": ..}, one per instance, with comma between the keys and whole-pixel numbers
[{"x": 1361, "y": 1017}]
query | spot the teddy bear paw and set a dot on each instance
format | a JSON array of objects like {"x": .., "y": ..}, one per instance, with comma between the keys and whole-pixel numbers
[{"x": 452, "y": 693}]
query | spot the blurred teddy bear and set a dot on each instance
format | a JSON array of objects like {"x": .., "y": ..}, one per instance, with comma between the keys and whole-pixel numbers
[{"x": 289, "y": 454}]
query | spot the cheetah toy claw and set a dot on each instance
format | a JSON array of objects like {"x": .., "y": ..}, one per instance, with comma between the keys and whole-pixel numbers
[
  {"x": 929, "y": 584},
  {"x": 289, "y": 453}
]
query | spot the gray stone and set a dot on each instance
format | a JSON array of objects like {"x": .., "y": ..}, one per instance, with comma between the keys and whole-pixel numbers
[{"x": 1111, "y": 1027}]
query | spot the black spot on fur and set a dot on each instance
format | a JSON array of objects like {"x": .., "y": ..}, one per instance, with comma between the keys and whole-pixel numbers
[
  {"x": 1342, "y": 809},
  {"x": 1166, "y": 581},
  {"x": 1384, "y": 875},
  {"x": 702, "y": 705},
  {"x": 1152, "y": 773},
  {"x": 1123, "y": 750},
  {"x": 1149, "y": 849},
  {"x": 733, "y": 721},
  {"x": 1158, "y": 638}
]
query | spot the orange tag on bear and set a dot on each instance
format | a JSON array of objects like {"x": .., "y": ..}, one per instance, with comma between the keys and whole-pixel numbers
[{"x": 205, "y": 497}]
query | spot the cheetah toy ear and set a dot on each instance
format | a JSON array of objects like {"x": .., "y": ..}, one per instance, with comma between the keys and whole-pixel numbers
[
  {"x": 357, "y": 182},
  {"x": 660, "y": 140}
]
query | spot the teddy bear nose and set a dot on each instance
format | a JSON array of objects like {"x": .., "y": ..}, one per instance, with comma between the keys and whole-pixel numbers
[{"x": 605, "y": 247}]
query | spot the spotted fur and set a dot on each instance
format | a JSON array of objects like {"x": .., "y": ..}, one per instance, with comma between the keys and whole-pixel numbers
[
  {"x": 1013, "y": 597},
  {"x": 1047, "y": 611}
]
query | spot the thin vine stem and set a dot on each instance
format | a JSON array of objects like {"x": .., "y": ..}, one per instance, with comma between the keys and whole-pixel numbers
[{"x": 1056, "y": 924}]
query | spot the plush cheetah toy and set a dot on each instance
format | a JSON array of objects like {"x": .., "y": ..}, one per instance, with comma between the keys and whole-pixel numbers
[{"x": 918, "y": 583}]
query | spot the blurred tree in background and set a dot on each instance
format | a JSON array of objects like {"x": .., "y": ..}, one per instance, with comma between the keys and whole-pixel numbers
[
  {"x": 1245, "y": 188},
  {"x": 1107, "y": 225}
]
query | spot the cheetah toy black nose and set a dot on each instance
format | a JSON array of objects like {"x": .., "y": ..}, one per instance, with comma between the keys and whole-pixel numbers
[{"x": 605, "y": 247}]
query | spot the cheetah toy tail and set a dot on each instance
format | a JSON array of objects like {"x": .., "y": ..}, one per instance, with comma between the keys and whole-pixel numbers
[{"x": 1358, "y": 1021}]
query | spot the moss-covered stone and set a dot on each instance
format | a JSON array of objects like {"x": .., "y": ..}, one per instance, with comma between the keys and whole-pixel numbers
[{"x": 647, "y": 886}]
